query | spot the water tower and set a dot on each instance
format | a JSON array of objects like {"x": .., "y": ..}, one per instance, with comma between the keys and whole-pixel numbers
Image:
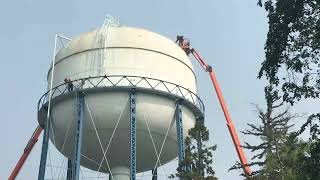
[{"x": 120, "y": 100}]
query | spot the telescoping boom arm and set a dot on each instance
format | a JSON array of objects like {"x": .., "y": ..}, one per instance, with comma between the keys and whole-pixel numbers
[
  {"x": 230, "y": 125},
  {"x": 185, "y": 45},
  {"x": 26, "y": 152}
]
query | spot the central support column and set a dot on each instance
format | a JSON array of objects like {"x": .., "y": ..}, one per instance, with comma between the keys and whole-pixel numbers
[
  {"x": 132, "y": 134},
  {"x": 79, "y": 132},
  {"x": 120, "y": 173}
]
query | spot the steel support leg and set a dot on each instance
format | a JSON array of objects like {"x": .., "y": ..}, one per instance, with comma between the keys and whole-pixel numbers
[
  {"x": 179, "y": 126},
  {"x": 155, "y": 174},
  {"x": 44, "y": 150},
  {"x": 69, "y": 170},
  {"x": 132, "y": 134},
  {"x": 199, "y": 145},
  {"x": 79, "y": 133}
]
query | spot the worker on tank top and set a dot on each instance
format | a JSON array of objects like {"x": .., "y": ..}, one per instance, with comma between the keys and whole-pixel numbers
[{"x": 69, "y": 84}]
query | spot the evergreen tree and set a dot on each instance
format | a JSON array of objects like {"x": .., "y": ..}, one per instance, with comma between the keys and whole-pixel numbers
[
  {"x": 197, "y": 164},
  {"x": 273, "y": 131}
]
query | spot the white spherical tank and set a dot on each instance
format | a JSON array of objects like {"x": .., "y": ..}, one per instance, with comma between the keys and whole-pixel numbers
[{"x": 106, "y": 64}]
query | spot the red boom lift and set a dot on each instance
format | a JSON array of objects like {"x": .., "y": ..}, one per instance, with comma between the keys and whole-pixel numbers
[
  {"x": 34, "y": 138},
  {"x": 185, "y": 45}
]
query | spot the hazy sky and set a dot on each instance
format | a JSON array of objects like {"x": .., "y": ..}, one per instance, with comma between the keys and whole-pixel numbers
[{"x": 230, "y": 35}]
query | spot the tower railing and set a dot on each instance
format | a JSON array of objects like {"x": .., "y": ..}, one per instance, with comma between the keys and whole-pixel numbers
[{"x": 122, "y": 81}]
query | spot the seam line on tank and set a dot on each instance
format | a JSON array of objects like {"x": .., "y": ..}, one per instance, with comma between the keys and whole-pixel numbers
[{"x": 124, "y": 48}]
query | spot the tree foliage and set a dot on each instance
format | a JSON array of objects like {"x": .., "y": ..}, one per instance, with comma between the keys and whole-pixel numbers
[
  {"x": 293, "y": 45},
  {"x": 198, "y": 161},
  {"x": 292, "y": 49},
  {"x": 271, "y": 153},
  {"x": 280, "y": 154},
  {"x": 292, "y": 69}
]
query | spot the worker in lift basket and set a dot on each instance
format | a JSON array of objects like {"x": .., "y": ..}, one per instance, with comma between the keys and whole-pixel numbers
[
  {"x": 184, "y": 44},
  {"x": 69, "y": 84}
]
